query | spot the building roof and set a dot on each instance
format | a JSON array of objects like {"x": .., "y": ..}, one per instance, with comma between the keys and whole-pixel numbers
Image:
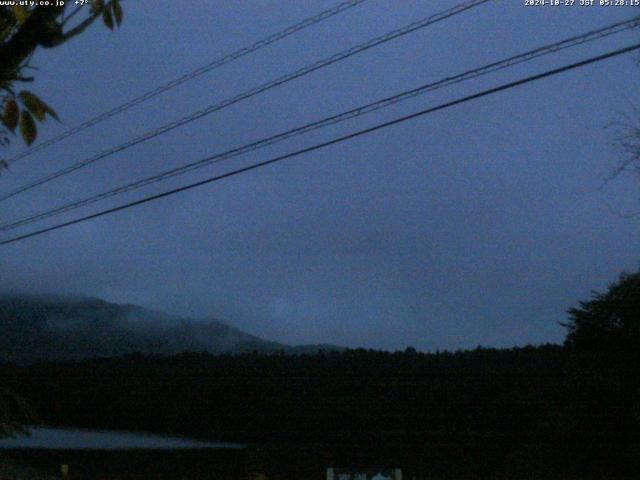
[{"x": 62, "y": 439}]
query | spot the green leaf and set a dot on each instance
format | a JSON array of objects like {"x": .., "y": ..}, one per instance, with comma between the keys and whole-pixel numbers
[
  {"x": 11, "y": 114},
  {"x": 34, "y": 104},
  {"x": 28, "y": 128},
  {"x": 108, "y": 18},
  {"x": 21, "y": 13},
  {"x": 51, "y": 112},
  {"x": 117, "y": 11}
]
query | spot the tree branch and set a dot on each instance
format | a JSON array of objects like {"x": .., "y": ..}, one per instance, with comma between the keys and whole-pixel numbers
[
  {"x": 71, "y": 15},
  {"x": 78, "y": 29}
]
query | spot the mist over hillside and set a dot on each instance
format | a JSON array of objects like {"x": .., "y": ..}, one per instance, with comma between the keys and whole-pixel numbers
[{"x": 38, "y": 328}]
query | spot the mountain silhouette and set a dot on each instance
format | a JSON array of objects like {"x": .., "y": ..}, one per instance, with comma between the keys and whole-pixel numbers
[{"x": 36, "y": 328}]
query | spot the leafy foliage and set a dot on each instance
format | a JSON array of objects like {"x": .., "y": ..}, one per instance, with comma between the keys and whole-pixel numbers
[
  {"x": 609, "y": 321},
  {"x": 14, "y": 413},
  {"x": 12, "y": 471},
  {"x": 24, "y": 29}
]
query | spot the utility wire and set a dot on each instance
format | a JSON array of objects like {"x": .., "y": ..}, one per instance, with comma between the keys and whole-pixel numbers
[
  {"x": 334, "y": 141},
  {"x": 250, "y": 93},
  {"x": 219, "y": 62},
  {"x": 353, "y": 113}
]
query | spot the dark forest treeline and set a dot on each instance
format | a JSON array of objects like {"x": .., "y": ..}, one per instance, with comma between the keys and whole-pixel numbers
[{"x": 483, "y": 413}]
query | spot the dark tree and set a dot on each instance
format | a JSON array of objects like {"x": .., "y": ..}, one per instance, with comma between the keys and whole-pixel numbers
[
  {"x": 14, "y": 413},
  {"x": 609, "y": 321},
  {"x": 25, "y": 29}
]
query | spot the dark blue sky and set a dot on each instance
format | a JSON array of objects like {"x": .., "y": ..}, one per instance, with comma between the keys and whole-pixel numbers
[{"x": 480, "y": 224}]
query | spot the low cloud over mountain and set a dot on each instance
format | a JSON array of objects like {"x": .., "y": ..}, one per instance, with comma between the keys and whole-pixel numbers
[{"x": 43, "y": 328}]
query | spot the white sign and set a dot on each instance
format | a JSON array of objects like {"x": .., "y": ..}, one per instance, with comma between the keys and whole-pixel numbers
[{"x": 363, "y": 474}]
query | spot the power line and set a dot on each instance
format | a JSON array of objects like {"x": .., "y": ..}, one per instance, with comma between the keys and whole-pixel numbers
[
  {"x": 219, "y": 62},
  {"x": 353, "y": 113},
  {"x": 319, "y": 146},
  {"x": 254, "y": 91}
]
